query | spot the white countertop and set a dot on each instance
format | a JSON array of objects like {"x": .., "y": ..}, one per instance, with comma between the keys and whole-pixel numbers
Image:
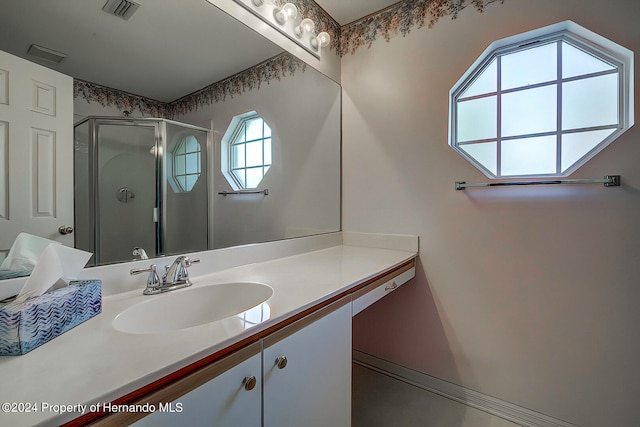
[{"x": 94, "y": 363}]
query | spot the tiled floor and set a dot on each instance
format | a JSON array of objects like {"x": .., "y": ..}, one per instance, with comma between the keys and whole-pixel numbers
[{"x": 382, "y": 401}]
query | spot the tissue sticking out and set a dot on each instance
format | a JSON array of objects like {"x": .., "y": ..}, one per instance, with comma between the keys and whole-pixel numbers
[{"x": 50, "y": 263}]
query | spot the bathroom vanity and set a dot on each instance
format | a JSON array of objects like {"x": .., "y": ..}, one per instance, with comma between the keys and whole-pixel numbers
[{"x": 286, "y": 362}]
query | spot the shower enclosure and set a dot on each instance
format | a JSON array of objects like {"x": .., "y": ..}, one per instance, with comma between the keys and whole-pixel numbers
[{"x": 140, "y": 185}]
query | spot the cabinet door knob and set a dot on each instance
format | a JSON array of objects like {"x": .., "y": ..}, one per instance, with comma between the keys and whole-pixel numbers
[
  {"x": 281, "y": 362},
  {"x": 249, "y": 383}
]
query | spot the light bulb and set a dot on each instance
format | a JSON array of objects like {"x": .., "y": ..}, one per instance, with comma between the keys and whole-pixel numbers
[
  {"x": 322, "y": 40},
  {"x": 288, "y": 11},
  {"x": 306, "y": 26}
]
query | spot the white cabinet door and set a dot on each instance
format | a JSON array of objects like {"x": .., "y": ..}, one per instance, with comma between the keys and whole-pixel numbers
[
  {"x": 222, "y": 402},
  {"x": 314, "y": 388},
  {"x": 36, "y": 151}
]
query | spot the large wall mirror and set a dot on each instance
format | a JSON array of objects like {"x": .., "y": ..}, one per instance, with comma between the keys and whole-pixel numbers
[{"x": 191, "y": 130}]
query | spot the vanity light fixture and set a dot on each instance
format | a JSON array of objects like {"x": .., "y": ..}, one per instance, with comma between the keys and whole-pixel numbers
[
  {"x": 285, "y": 13},
  {"x": 322, "y": 40},
  {"x": 306, "y": 26},
  {"x": 284, "y": 17}
]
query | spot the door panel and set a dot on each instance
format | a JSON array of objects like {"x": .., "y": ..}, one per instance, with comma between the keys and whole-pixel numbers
[{"x": 313, "y": 387}]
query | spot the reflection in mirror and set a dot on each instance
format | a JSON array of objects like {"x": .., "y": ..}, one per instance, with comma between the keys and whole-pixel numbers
[
  {"x": 187, "y": 66},
  {"x": 137, "y": 181}
]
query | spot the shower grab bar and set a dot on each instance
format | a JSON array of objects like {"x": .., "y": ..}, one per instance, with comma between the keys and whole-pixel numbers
[
  {"x": 608, "y": 181},
  {"x": 240, "y": 192}
]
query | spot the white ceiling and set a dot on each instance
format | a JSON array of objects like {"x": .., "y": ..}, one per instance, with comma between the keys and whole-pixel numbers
[
  {"x": 346, "y": 11},
  {"x": 166, "y": 50}
]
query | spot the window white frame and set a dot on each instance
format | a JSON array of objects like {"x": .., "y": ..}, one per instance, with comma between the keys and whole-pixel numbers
[
  {"x": 184, "y": 166},
  {"x": 236, "y": 171},
  {"x": 620, "y": 58}
]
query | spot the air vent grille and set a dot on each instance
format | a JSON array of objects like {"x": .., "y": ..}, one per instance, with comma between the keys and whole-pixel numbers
[
  {"x": 121, "y": 8},
  {"x": 46, "y": 53}
]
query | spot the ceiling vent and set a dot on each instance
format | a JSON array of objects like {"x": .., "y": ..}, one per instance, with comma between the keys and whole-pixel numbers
[
  {"x": 121, "y": 8},
  {"x": 46, "y": 53}
]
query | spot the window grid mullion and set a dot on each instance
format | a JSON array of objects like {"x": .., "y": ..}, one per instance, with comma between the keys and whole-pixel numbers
[
  {"x": 537, "y": 134},
  {"x": 499, "y": 117},
  {"x": 244, "y": 171},
  {"x": 559, "y": 110},
  {"x": 542, "y": 84},
  {"x": 262, "y": 143}
]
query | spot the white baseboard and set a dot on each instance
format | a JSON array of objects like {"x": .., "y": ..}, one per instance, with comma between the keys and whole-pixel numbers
[{"x": 472, "y": 398}]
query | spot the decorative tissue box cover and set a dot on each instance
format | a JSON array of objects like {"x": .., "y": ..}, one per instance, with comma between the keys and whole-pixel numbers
[{"x": 29, "y": 324}]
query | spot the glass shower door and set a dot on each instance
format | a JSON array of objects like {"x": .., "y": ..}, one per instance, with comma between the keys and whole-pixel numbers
[
  {"x": 127, "y": 196},
  {"x": 185, "y": 201}
]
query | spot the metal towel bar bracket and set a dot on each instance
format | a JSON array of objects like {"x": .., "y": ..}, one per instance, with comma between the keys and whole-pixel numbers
[
  {"x": 230, "y": 193},
  {"x": 608, "y": 181}
]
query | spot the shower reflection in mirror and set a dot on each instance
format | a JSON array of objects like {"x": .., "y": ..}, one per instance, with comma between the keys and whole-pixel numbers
[{"x": 140, "y": 186}]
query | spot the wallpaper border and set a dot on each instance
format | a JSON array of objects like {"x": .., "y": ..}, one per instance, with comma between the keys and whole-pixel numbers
[
  {"x": 401, "y": 18},
  {"x": 252, "y": 78},
  {"x": 274, "y": 68}
]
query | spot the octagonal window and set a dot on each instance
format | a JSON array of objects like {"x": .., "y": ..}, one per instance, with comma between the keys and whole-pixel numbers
[
  {"x": 246, "y": 151},
  {"x": 185, "y": 164},
  {"x": 542, "y": 103}
]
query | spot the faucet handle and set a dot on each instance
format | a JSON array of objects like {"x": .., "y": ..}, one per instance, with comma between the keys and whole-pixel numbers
[
  {"x": 189, "y": 261},
  {"x": 186, "y": 263},
  {"x": 153, "y": 280}
]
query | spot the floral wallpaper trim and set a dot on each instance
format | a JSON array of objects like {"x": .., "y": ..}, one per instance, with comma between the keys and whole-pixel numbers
[
  {"x": 401, "y": 18},
  {"x": 272, "y": 69},
  {"x": 108, "y": 97},
  {"x": 275, "y": 68},
  {"x": 324, "y": 21}
]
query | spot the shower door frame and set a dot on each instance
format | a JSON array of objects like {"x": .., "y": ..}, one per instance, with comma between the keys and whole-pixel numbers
[
  {"x": 94, "y": 204},
  {"x": 161, "y": 187}
]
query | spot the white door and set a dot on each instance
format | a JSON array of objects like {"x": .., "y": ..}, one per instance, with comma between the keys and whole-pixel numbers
[
  {"x": 225, "y": 401},
  {"x": 36, "y": 151}
]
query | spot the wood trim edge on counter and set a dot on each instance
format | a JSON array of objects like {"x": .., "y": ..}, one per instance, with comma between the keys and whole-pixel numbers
[
  {"x": 146, "y": 392},
  {"x": 181, "y": 386},
  {"x": 294, "y": 327}
]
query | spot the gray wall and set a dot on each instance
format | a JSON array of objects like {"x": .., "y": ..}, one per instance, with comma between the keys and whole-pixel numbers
[
  {"x": 526, "y": 294},
  {"x": 303, "y": 112}
]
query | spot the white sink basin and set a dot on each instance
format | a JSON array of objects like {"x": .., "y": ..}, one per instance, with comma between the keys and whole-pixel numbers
[{"x": 190, "y": 307}]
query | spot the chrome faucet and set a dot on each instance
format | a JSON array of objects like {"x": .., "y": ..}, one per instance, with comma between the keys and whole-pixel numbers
[{"x": 176, "y": 276}]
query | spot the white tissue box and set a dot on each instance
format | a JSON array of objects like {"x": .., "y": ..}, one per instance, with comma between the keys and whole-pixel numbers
[{"x": 28, "y": 324}]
